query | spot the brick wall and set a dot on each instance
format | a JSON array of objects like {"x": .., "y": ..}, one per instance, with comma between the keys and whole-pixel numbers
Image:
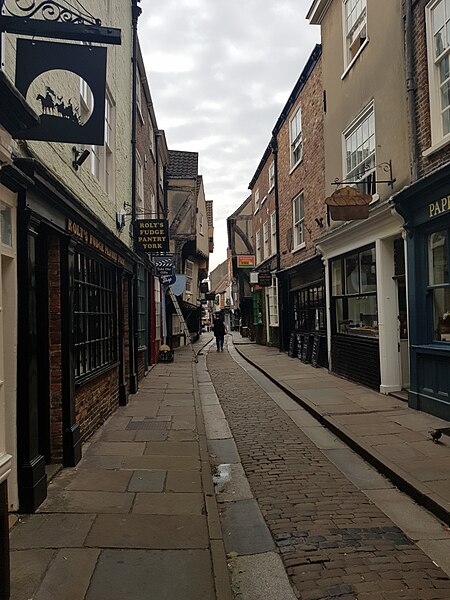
[
  {"x": 54, "y": 319},
  {"x": 308, "y": 176},
  {"x": 95, "y": 401},
  {"x": 266, "y": 207},
  {"x": 422, "y": 104}
]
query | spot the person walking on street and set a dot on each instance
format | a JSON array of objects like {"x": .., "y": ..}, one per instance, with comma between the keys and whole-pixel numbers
[{"x": 219, "y": 330}]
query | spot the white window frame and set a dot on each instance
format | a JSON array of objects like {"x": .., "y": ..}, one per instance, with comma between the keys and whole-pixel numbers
[
  {"x": 139, "y": 95},
  {"x": 266, "y": 251},
  {"x": 298, "y": 224},
  {"x": 271, "y": 176},
  {"x": 103, "y": 157},
  {"x": 273, "y": 303},
  {"x": 296, "y": 137},
  {"x": 350, "y": 136},
  {"x": 437, "y": 133},
  {"x": 273, "y": 232},
  {"x": 256, "y": 200},
  {"x": 201, "y": 224},
  {"x": 355, "y": 36},
  {"x": 258, "y": 246},
  {"x": 189, "y": 273}
]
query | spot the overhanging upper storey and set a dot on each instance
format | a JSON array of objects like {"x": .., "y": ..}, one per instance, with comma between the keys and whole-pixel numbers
[{"x": 317, "y": 11}]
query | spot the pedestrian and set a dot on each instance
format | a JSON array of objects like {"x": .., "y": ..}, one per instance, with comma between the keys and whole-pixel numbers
[{"x": 219, "y": 329}]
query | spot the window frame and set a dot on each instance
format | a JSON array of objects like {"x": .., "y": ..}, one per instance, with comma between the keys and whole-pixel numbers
[
  {"x": 141, "y": 328},
  {"x": 256, "y": 201},
  {"x": 366, "y": 181},
  {"x": 274, "y": 320},
  {"x": 258, "y": 246},
  {"x": 271, "y": 176},
  {"x": 352, "y": 36},
  {"x": 273, "y": 232},
  {"x": 90, "y": 295},
  {"x": 434, "y": 89},
  {"x": 297, "y": 142},
  {"x": 432, "y": 288},
  {"x": 189, "y": 266},
  {"x": 300, "y": 222},
  {"x": 140, "y": 202},
  {"x": 266, "y": 239}
]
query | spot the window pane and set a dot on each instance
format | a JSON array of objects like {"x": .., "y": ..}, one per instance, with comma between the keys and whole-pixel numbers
[
  {"x": 438, "y": 258},
  {"x": 352, "y": 275},
  {"x": 336, "y": 277},
  {"x": 441, "y": 314},
  {"x": 438, "y": 16},
  {"x": 368, "y": 271},
  {"x": 357, "y": 316},
  {"x": 6, "y": 233}
]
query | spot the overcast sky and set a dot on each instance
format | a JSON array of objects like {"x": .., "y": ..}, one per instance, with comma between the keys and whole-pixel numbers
[{"x": 220, "y": 72}]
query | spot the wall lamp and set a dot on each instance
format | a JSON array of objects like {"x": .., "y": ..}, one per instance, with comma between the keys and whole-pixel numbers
[{"x": 79, "y": 157}]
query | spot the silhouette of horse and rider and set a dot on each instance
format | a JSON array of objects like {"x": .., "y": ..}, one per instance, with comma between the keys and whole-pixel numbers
[{"x": 51, "y": 103}]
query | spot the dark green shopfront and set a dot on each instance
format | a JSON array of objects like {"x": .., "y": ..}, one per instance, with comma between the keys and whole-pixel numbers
[{"x": 425, "y": 206}]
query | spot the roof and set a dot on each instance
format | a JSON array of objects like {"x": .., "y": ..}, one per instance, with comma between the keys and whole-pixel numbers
[
  {"x": 209, "y": 212},
  {"x": 183, "y": 165}
]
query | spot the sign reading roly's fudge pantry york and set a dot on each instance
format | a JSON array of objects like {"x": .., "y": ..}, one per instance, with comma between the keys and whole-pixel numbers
[{"x": 151, "y": 235}]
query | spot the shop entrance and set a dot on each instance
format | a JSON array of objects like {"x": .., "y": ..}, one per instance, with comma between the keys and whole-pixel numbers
[{"x": 402, "y": 311}]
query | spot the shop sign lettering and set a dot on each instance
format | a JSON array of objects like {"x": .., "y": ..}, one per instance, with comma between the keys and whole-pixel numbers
[
  {"x": 152, "y": 235},
  {"x": 440, "y": 206},
  {"x": 87, "y": 237}
]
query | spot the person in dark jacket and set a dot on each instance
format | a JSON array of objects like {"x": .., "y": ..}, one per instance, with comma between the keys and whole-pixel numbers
[{"x": 219, "y": 330}]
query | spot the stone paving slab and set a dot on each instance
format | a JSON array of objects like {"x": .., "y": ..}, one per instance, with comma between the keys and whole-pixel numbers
[
  {"x": 86, "y": 479},
  {"x": 168, "y": 504},
  {"x": 28, "y": 567},
  {"x": 69, "y": 575},
  {"x": 356, "y": 470},
  {"x": 141, "y": 531},
  {"x": 116, "y": 449},
  {"x": 183, "y": 481},
  {"x": 51, "y": 531},
  {"x": 73, "y": 501},
  {"x": 123, "y": 575},
  {"x": 245, "y": 531},
  {"x": 188, "y": 449},
  {"x": 147, "y": 481},
  {"x": 160, "y": 463}
]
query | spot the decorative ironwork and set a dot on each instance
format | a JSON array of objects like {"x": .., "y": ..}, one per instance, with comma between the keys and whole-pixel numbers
[
  {"x": 53, "y": 11},
  {"x": 385, "y": 166}
]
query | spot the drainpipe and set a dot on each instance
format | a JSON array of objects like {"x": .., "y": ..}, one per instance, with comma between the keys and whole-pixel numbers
[
  {"x": 135, "y": 12},
  {"x": 274, "y": 148},
  {"x": 411, "y": 86}
]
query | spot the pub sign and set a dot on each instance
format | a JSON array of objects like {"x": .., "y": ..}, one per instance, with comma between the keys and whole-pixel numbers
[
  {"x": 151, "y": 235},
  {"x": 48, "y": 75}
]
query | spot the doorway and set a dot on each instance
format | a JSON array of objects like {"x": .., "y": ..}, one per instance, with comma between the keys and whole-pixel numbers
[{"x": 402, "y": 310}]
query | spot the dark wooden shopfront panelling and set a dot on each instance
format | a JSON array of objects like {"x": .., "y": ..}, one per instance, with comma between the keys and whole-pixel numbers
[{"x": 356, "y": 359}]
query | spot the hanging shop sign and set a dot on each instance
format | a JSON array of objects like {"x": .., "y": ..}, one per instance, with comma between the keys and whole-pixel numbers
[
  {"x": 211, "y": 296},
  {"x": 246, "y": 261},
  {"x": 90, "y": 240},
  {"x": 264, "y": 279},
  {"x": 165, "y": 268},
  {"x": 348, "y": 204},
  {"x": 48, "y": 76},
  {"x": 151, "y": 235}
]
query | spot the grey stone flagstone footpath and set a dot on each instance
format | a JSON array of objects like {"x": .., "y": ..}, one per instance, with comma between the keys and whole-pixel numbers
[{"x": 137, "y": 518}]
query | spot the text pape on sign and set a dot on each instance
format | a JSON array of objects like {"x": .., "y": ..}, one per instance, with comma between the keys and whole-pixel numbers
[{"x": 151, "y": 235}]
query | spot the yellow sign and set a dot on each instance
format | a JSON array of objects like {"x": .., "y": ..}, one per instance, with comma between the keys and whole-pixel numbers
[{"x": 439, "y": 207}]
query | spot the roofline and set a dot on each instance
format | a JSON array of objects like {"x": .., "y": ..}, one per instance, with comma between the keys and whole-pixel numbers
[
  {"x": 298, "y": 87},
  {"x": 238, "y": 210},
  {"x": 317, "y": 11}
]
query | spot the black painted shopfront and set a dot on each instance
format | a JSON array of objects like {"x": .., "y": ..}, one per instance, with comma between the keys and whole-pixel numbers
[
  {"x": 425, "y": 206},
  {"x": 306, "y": 316}
]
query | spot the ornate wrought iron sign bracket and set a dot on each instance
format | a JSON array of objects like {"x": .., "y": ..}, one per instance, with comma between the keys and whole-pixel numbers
[
  {"x": 52, "y": 19},
  {"x": 385, "y": 166}
]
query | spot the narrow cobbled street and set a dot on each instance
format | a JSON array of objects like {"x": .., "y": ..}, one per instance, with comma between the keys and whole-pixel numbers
[{"x": 333, "y": 540}]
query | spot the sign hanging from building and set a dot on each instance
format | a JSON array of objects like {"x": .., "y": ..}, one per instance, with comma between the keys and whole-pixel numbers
[
  {"x": 265, "y": 279},
  {"x": 48, "y": 76},
  {"x": 151, "y": 235},
  {"x": 165, "y": 268},
  {"x": 348, "y": 204},
  {"x": 246, "y": 261},
  {"x": 211, "y": 296}
]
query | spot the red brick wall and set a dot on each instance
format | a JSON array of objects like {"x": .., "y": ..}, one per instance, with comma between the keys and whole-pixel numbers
[
  {"x": 54, "y": 319},
  {"x": 266, "y": 208},
  {"x": 95, "y": 401},
  {"x": 308, "y": 175},
  {"x": 422, "y": 105}
]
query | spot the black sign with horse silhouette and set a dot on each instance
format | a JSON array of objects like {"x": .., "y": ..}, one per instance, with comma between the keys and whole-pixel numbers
[{"x": 62, "y": 119}]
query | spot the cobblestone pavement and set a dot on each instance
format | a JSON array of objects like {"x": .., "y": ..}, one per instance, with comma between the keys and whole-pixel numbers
[{"x": 334, "y": 542}]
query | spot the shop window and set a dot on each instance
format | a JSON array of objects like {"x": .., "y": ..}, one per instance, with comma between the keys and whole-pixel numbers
[
  {"x": 257, "y": 308},
  {"x": 309, "y": 308},
  {"x": 438, "y": 30},
  {"x": 141, "y": 308},
  {"x": 439, "y": 284},
  {"x": 157, "y": 309},
  {"x": 354, "y": 299},
  {"x": 95, "y": 328}
]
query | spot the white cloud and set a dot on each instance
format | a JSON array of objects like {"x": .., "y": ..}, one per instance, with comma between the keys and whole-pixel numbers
[{"x": 220, "y": 73}]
